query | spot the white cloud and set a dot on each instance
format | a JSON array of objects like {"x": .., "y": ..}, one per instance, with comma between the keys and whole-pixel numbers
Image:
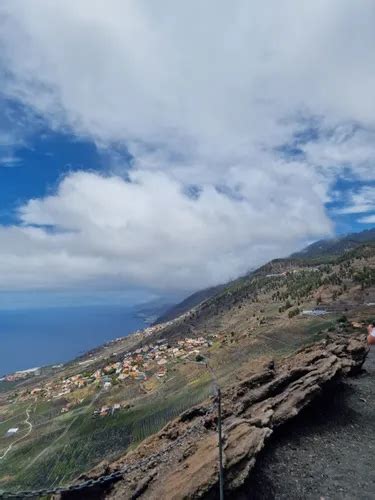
[
  {"x": 207, "y": 80},
  {"x": 370, "y": 219},
  {"x": 360, "y": 201},
  {"x": 346, "y": 150},
  {"x": 201, "y": 93},
  {"x": 148, "y": 232},
  {"x": 16, "y": 124},
  {"x": 9, "y": 160}
]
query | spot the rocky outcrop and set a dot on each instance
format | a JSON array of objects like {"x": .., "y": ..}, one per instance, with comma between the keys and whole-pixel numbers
[{"x": 181, "y": 461}]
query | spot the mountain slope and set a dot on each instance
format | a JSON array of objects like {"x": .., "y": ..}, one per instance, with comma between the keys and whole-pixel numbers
[
  {"x": 188, "y": 303},
  {"x": 336, "y": 246},
  {"x": 322, "y": 249}
]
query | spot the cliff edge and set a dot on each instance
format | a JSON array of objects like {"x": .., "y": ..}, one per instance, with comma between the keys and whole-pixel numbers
[{"x": 181, "y": 461}]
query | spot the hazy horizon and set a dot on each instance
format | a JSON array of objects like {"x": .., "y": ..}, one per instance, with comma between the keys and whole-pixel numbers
[{"x": 39, "y": 337}]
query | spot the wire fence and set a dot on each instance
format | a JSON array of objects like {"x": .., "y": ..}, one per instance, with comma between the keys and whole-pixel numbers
[{"x": 106, "y": 478}]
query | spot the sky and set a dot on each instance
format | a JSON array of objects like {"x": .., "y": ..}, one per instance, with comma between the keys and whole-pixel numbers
[{"x": 154, "y": 148}]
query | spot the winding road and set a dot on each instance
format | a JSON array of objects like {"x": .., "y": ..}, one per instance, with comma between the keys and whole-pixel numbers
[
  {"x": 66, "y": 430},
  {"x": 29, "y": 424}
]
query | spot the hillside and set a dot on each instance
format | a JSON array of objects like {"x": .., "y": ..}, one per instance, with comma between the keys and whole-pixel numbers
[
  {"x": 188, "y": 303},
  {"x": 318, "y": 251},
  {"x": 180, "y": 462},
  {"x": 104, "y": 404},
  {"x": 279, "y": 288},
  {"x": 336, "y": 246}
]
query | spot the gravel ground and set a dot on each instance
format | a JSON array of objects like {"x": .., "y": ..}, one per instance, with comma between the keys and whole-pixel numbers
[{"x": 328, "y": 452}]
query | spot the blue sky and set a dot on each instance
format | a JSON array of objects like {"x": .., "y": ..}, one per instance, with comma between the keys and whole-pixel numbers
[
  {"x": 39, "y": 164},
  {"x": 33, "y": 165},
  {"x": 151, "y": 150}
]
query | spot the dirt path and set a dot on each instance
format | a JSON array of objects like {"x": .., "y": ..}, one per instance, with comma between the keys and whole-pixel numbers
[
  {"x": 66, "y": 430},
  {"x": 29, "y": 424},
  {"x": 328, "y": 452}
]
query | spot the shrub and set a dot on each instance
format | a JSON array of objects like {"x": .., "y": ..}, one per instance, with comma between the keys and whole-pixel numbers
[
  {"x": 342, "y": 319},
  {"x": 293, "y": 312}
]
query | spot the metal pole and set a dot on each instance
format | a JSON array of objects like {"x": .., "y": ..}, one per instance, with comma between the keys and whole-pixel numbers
[
  {"x": 219, "y": 429},
  {"x": 221, "y": 473}
]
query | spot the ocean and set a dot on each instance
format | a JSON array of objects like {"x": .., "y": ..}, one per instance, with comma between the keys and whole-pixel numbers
[{"x": 39, "y": 337}]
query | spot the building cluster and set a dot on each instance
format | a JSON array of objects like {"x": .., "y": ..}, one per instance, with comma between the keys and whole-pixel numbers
[
  {"x": 55, "y": 389},
  {"x": 106, "y": 411},
  {"x": 151, "y": 359},
  {"x": 138, "y": 365},
  {"x": 22, "y": 374}
]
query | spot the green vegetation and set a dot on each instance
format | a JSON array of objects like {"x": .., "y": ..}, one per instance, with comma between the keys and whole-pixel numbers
[
  {"x": 250, "y": 321},
  {"x": 293, "y": 312},
  {"x": 366, "y": 277},
  {"x": 67, "y": 444}
]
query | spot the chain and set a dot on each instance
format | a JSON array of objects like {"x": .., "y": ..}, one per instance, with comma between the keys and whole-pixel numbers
[{"x": 107, "y": 478}]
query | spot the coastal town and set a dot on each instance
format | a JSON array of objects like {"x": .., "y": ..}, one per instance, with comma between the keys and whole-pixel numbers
[{"x": 150, "y": 361}]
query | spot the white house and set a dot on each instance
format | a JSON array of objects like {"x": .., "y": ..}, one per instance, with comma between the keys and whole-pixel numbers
[{"x": 12, "y": 431}]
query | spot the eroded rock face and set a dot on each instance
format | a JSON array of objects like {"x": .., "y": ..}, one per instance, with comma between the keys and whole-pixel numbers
[{"x": 181, "y": 461}]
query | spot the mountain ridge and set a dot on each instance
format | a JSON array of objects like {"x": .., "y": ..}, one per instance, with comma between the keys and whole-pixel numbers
[{"x": 336, "y": 245}]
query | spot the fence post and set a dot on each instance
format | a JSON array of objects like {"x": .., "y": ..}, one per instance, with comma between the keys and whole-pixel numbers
[{"x": 221, "y": 473}]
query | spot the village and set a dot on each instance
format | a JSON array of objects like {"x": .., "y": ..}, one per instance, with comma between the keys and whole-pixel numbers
[
  {"x": 150, "y": 360},
  {"x": 21, "y": 375}
]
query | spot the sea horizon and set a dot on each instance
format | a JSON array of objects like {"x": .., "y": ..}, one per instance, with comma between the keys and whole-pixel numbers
[{"x": 41, "y": 337}]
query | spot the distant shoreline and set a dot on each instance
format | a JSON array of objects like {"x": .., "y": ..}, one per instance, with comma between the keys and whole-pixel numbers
[{"x": 49, "y": 337}]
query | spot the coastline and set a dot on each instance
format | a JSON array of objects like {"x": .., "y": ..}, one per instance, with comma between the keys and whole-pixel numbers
[{"x": 51, "y": 337}]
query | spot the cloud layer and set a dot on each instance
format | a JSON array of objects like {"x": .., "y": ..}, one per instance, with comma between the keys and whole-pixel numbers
[
  {"x": 147, "y": 231},
  {"x": 208, "y": 98}
]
